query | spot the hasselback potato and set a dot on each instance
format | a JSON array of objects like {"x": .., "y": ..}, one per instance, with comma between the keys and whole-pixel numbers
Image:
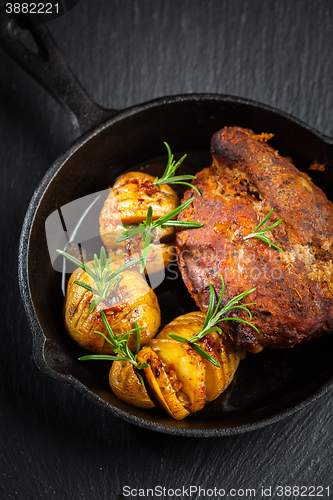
[
  {"x": 133, "y": 301},
  {"x": 195, "y": 379},
  {"x": 178, "y": 378},
  {"x": 128, "y": 202},
  {"x": 217, "y": 345}
]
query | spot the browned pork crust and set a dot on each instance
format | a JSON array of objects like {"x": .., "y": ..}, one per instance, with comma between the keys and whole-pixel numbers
[{"x": 294, "y": 291}]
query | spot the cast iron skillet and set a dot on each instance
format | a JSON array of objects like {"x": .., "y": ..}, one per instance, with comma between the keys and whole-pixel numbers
[{"x": 268, "y": 386}]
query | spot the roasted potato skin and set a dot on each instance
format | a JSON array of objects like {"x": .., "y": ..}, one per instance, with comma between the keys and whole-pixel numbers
[
  {"x": 218, "y": 379},
  {"x": 126, "y": 385},
  {"x": 132, "y": 194},
  {"x": 179, "y": 379},
  {"x": 185, "y": 325},
  {"x": 134, "y": 301},
  {"x": 219, "y": 346},
  {"x": 115, "y": 230},
  {"x": 127, "y": 203},
  {"x": 159, "y": 255}
]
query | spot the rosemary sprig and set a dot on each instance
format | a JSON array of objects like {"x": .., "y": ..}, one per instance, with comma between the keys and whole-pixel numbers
[
  {"x": 106, "y": 280},
  {"x": 214, "y": 316},
  {"x": 147, "y": 227},
  {"x": 169, "y": 178},
  {"x": 260, "y": 233},
  {"x": 120, "y": 345}
]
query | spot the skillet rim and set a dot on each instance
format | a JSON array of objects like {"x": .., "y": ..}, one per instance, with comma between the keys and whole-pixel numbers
[{"x": 39, "y": 338}]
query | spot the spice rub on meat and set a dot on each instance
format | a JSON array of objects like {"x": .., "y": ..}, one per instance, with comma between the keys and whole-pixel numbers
[{"x": 294, "y": 289}]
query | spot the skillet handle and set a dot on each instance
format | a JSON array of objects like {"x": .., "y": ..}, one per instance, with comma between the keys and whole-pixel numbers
[{"x": 51, "y": 70}]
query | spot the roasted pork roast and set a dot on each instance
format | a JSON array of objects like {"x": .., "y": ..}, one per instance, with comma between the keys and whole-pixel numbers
[{"x": 294, "y": 289}]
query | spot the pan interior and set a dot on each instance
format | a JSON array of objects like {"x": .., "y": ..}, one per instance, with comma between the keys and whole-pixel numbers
[{"x": 266, "y": 386}]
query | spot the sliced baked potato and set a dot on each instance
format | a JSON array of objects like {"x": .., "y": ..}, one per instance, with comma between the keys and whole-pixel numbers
[
  {"x": 128, "y": 203},
  {"x": 186, "y": 370},
  {"x": 126, "y": 385},
  {"x": 160, "y": 255},
  {"x": 160, "y": 386},
  {"x": 132, "y": 194},
  {"x": 220, "y": 347},
  {"x": 133, "y": 301},
  {"x": 178, "y": 378}
]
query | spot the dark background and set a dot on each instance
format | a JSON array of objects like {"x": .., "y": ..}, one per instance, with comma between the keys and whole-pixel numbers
[{"x": 55, "y": 444}]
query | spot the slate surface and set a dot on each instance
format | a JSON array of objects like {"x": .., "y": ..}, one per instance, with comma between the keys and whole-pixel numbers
[{"x": 54, "y": 444}]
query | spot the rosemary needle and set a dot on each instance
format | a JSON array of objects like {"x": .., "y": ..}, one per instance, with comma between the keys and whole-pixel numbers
[
  {"x": 169, "y": 178},
  {"x": 120, "y": 345},
  {"x": 259, "y": 232},
  {"x": 214, "y": 316},
  {"x": 105, "y": 280},
  {"x": 147, "y": 228}
]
